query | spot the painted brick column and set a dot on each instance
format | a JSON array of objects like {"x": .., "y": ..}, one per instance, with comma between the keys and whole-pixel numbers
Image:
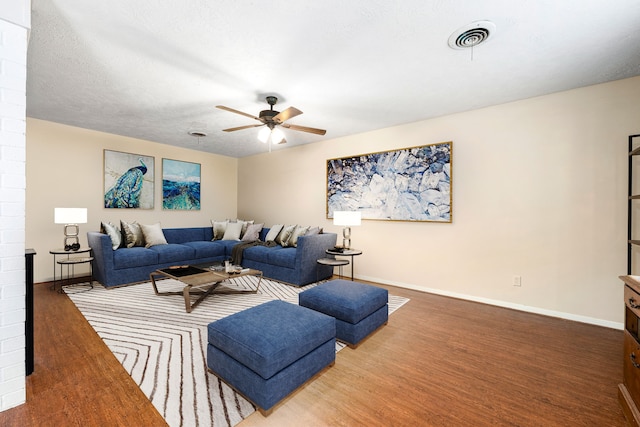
[{"x": 14, "y": 24}]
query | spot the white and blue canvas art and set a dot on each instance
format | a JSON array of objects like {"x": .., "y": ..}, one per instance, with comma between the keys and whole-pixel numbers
[
  {"x": 128, "y": 180},
  {"x": 180, "y": 185},
  {"x": 410, "y": 184}
]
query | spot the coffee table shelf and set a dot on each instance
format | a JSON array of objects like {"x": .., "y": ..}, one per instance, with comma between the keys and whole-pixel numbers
[{"x": 201, "y": 282}]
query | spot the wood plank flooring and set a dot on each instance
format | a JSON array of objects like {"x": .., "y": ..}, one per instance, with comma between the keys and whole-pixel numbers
[{"x": 439, "y": 362}]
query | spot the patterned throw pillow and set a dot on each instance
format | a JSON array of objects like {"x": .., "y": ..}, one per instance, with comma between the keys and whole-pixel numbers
[
  {"x": 284, "y": 235},
  {"x": 132, "y": 234},
  {"x": 219, "y": 227},
  {"x": 297, "y": 232},
  {"x": 113, "y": 232},
  {"x": 273, "y": 233},
  {"x": 252, "y": 233},
  {"x": 245, "y": 224},
  {"x": 314, "y": 230}
]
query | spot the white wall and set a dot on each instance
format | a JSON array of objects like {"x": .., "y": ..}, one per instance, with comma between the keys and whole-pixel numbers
[
  {"x": 539, "y": 191},
  {"x": 14, "y": 25},
  {"x": 65, "y": 169}
]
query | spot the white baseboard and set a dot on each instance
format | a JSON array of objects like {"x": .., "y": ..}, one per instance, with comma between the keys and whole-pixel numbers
[{"x": 498, "y": 303}]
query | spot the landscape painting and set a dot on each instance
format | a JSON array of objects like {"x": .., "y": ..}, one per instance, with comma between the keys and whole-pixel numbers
[
  {"x": 410, "y": 184},
  {"x": 180, "y": 185},
  {"x": 128, "y": 180}
]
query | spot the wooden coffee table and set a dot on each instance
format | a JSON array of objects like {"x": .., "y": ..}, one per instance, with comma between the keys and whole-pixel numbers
[{"x": 201, "y": 281}]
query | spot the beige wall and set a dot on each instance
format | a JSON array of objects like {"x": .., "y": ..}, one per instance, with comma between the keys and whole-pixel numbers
[
  {"x": 65, "y": 169},
  {"x": 539, "y": 191}
]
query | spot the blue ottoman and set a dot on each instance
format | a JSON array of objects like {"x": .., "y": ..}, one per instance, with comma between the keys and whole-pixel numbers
[
  {"x": 268, "y": 351},
  {"x": 359, "y": 309}
]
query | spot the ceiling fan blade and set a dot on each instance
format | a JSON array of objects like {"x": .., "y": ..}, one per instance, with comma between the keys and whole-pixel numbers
[
  {"x": 241, "y": 127},
  {"x": 304, "y": 129},
  {"x": 231, "y": 110},
  {"x": 285, "y": 115}
]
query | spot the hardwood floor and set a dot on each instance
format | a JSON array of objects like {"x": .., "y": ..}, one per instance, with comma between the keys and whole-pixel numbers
[{"x": 439, "y": 362}]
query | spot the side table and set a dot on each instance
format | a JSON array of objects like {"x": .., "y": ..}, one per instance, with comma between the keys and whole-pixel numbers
[
  {"x": 345, "y": 252},
  {"x": 70, "y": 262},
  {"x": 332, "y": 262}
]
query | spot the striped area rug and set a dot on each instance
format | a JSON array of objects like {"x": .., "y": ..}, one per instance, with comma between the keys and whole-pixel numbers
[{"x": 163, "y": 347}]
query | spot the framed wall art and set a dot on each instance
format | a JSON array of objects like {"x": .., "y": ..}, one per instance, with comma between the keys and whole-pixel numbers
[
  {"x": 128, "y": 180},
  {"x": 410, "y": 184},
  {"x": 180, "y": 185}
]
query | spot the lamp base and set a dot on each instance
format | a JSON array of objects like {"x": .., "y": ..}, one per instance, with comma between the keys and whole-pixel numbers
[
  {"x": 346, "y": 237},
  {"x": 71, "y": 241}
]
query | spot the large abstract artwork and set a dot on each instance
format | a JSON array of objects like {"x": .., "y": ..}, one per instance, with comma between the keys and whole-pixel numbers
[
  {"x": 180, "y": 185},
  {"x": 410, "y": 184},
  {"x": 128, "y": 180}
]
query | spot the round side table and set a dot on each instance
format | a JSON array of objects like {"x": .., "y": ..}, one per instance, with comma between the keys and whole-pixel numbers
[
  {"x": 333, "y": 263},
  {"x": 345, "y": 252}
]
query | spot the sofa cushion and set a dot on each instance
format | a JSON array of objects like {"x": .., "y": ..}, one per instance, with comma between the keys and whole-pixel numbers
[
  {"x": 173, "y": 253},
  {"x": 207, "y": 249},
  {"x": 283, "y": 257},
  {"x": 184, "y": 235},
  {"x": 134, "y": 257},
  {"x": 257, "y": 253}
]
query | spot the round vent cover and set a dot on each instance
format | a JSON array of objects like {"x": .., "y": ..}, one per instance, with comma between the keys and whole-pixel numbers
[{"x": 471, "y": 35}]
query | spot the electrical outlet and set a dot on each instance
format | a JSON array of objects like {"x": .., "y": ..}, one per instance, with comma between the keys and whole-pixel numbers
[{"x": 517, "y": 280}]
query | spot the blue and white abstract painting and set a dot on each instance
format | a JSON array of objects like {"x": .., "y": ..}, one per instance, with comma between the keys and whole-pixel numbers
[
  {"x": 180, "y": 185},
  {"x": 410, "y": 184}
]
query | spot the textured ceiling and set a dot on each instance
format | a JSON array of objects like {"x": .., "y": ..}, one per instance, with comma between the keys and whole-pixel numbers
[{"x": 156, "y": 70}]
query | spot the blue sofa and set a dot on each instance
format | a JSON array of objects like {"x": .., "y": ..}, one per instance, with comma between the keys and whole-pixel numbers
[{"x": 296, "y": 266}]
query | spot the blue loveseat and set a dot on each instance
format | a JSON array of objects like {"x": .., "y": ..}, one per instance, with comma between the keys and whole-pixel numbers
[{"x": 293, "y": 265}]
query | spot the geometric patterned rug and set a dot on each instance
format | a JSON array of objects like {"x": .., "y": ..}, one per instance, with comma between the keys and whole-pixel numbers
[{"x": 163, "y": 348}]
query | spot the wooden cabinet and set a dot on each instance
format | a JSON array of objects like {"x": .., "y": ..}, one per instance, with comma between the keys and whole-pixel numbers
[{"x": 629, "y": 390}]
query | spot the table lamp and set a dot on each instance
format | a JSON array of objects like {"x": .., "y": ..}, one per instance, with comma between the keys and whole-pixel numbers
[
  {"x": 346, "y": 219},
  {"x": 71, "y": 217}
]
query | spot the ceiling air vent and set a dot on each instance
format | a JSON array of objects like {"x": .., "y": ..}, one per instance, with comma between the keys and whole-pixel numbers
[{"x": 471, "y": 35}]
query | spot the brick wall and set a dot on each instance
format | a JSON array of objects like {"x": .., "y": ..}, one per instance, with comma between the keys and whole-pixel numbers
[{"x": 13, "y": 77}]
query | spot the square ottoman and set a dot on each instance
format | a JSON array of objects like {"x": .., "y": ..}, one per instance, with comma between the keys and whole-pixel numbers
[
  {"x": 359, "y": 309},
  {"x": 268, "y": 351}
]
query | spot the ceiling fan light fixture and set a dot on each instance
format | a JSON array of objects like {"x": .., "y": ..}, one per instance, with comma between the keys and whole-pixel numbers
[
  {"x": 277, "y": 136},
  {"x": 264, "y": 134}
]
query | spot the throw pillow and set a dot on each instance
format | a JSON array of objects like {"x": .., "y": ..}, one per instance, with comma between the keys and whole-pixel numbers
[
  {"x": 132, "y": 234},
  {"x": 153, "y": 235},
  {"x": 245, "y": 224},
  {"x": 297, "y": 232},
  {"x": 284, "y": 235},
  {"x": 273, "y": 233},
  {"x": 219, "y": 227},
  {"x": 314, "y": 230},
  {"x": 252, "y": 233},
  {"x": 233, "y": 231},
  {"x": 113, "y": 233}
]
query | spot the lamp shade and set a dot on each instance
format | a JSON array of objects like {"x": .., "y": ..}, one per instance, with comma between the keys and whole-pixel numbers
[
  {"x": 70, "y": 215},
  {"x": 346, "y": 218}
]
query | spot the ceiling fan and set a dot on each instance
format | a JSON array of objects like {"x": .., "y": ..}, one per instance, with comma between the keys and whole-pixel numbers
[{"x": 271, "y": 119}]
